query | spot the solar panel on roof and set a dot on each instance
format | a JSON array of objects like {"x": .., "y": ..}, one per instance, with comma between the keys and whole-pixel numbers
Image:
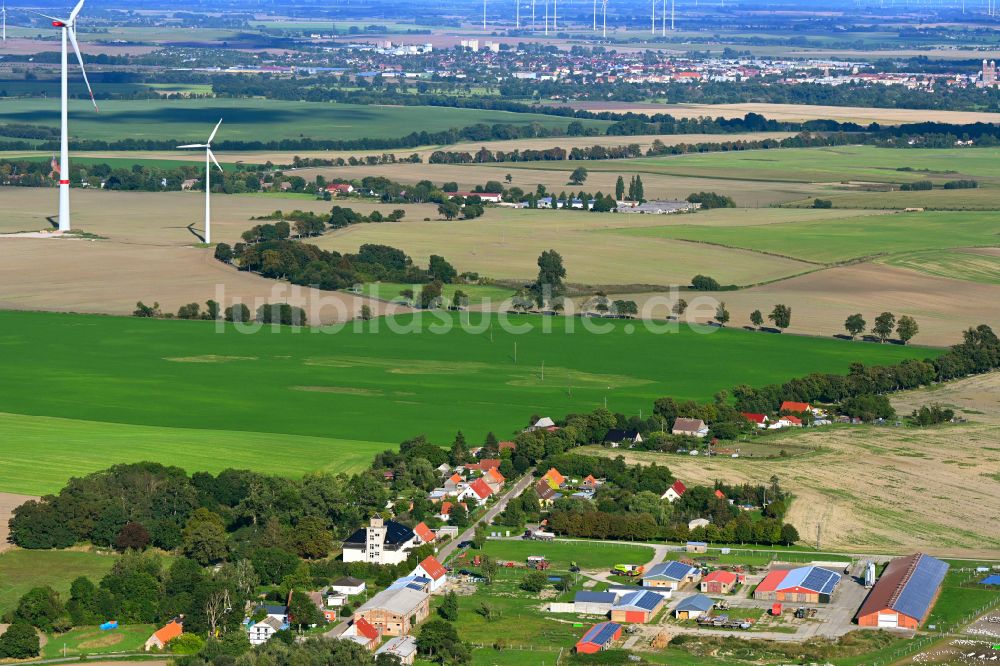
[
  {"x": 600, "y": 634},
  {"x": 919, "y": 590},
  {"x": 821, "y": 580}
]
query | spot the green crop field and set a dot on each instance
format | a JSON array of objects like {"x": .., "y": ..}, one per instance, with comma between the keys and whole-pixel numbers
[
  {"x": 77, "y": 447},
  {"x": 347, "y": 393},
  {"x": 812, "y": 165},
  {"x": 831, "y": 241},
  {"x": 21, "y": 570},
  {"x": 961, "y": 265},
  {"x": 255, "y": 119},
  {"x": 561, "y": 554}
]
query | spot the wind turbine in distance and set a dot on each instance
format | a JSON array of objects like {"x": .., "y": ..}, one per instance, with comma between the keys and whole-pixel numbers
[
  {"x": 68, "y": 28},
  {"x": 3, "y": 12},
  {"x": 209, "y": 159}
]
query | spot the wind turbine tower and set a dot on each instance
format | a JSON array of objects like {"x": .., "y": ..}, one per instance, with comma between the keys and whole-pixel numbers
[
  {"x": 652, "y": 19},
  {"x": 595, "y": 15},
  {"x": 604, "y": 17},
  {"x": 68, "y": 27},
  {"x": 209, "y": 159},
  {"x": 3, "y": 12},
  {"x": 555, "y": 14},
  {"x": 517, "y": 14}
]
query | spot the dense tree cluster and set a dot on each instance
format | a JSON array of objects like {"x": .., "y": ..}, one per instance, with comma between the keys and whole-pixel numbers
[{"x": 978, "y": 352}]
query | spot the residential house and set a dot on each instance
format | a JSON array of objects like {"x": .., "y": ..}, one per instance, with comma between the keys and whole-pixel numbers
[
  {"x": 338, "y": 189},
  {"x": 721, "y": 582},
  {"x": 694, "y": 607},
  {"x": 690, "y": 427},
  {"x": 670, "y": 575},
  {"x": 674, "y": 492},
  {"x": 395, "y": 612},
  {"x": 164, "y": 635},
  {"x": 363, "y": 633},
  {"x": 432, "y": 569},
  {"x": 797, "y": 407},
  {"x": 455, "y": 484},
  {"x": 546, "y": 493},
  {"x": 478, "y": 490},
  {"x": 507, "y": 446},
  {"x": 261, "y": 632},
  {"x": 382, "y": 542},
  {"x": 347, "y": 586},
  {"x": 445, "y": 511},
  {"x": 424, "y": 533},
  {"x": 554, "y": 478},
  {"x": 760, "y": 420},
  {"x": 403, "y": 648},
  {"x": 590, "y": 483},
  {"x": 616, "y": 437},
  {"x": 494, "y": 479}
]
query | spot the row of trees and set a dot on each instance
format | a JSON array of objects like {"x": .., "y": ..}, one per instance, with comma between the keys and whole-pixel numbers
[{"x": 906, "y": 326}]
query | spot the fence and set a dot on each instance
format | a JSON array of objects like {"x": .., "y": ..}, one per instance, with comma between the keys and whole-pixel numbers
[{"x": 940, "y": 633}]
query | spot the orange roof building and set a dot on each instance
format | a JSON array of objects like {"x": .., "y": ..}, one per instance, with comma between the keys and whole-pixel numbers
[
  {"x": 424, "y": 533},
  {"x": 554, "y": 478},
  {"x": 164, "y": 635}
]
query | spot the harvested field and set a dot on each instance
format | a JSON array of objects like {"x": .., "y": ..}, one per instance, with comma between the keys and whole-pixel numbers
[
  {"x": 885, "y": 489},
  {"x": 506, "y": 243},
  {"x": 794, "y": 112},
  {"x": 822, "y": 300},
  {"x": 9, "y": 502},
  {"x": 974, "y": 264},
  {"x": 148, "y": 255}
]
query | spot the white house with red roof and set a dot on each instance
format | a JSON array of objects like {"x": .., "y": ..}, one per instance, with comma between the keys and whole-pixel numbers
[
  {"x": 424, "y": 533},
  {"x": 797, "y": 407},
  {"x": 759, "y": 419},
  {"x": 363, "y": 633},
  {"x": 674, "y": 492},
  {"x": 478, "y": 490},
  {"x": 340, "y": 188},
  {"x": 445, "y": 511},
  {"x": 494, "y": 479},
  {"x": 787, "y": 421},
  {"x": 434, "y": 570}
]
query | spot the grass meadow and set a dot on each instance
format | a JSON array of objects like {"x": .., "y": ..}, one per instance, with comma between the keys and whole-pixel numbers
[
  {"x": 228, "y": 399},
  {"x": 93, "y": 641},
  {"x": 21, "y": 570},
  {"x": 256, "y": 119}
]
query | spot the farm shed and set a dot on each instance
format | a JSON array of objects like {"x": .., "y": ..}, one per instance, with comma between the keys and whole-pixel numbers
[
  {"x": 696, "y": 547},
  {"x": 669, "y": 575},
  {"x": 902, "y": 598},
  {"x": 403, "y": 647},
  {"x": 809, "y": 585},
  {"x": 638, "y": 607},
  {"x": 693, "y": 608},
  {"x": 719, "y": 582},
  {"x": 990, "y": 580},
  {"x": 594, "y": 603},
  {"x": 599, "y": 637}
]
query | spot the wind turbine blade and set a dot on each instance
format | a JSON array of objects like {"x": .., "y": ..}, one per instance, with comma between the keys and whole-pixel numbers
[
  {"x": 75, "y": 12},
  {"x": 51, "y": 18},
  {"x": 76, "y": 47},
  {"x": 214, "y": 131},
  {"x": 193, "y": 145},
  {"x": 212, "y": 155}
]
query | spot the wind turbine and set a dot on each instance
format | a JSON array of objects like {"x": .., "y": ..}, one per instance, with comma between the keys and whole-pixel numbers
[
  {"x": 68, "y": 28},
  {"x": 604, "y": 17},
  {"x": 3, "y": 12},
  {"x": 209, "y": 159}
]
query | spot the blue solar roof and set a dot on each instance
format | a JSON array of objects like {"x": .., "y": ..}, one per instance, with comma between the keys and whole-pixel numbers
[
  {"x": 596, "y": 597},
  {"x": 698, "y": 602},
  {"x": 670, "y": 570},
  {"x": 991, "y": 580},
  {"x": 601, "y": 633},
  {"x": 822, "y": 581},
  {"x": 919, "y": 589},
  {"x": 644, "y": 600}
]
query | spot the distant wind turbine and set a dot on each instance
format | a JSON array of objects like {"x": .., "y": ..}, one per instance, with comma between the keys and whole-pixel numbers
[
  {"x": 68, "y": 28},
  {"x": 3, "y": 12},
  {"x": 209, "y": 159},
  {"x": 604, "y": 17}
]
